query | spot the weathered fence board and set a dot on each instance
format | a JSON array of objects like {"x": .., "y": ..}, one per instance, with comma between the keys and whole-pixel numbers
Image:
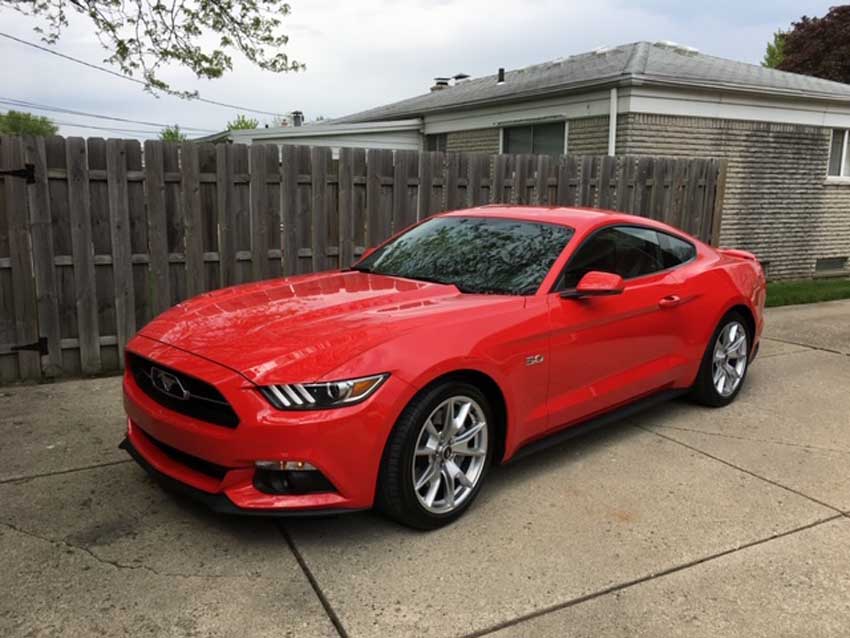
[
  {"x": 24, "y": 311},
  {"x": 82, "y": 250},
  {"x": 41, "y": 236},
  {"x": 110, "y": 235},
  {"x": 122, "y": 267},
  {"x": 320, "y": 157}
]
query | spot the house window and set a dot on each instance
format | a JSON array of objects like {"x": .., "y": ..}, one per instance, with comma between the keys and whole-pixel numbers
[
  {"x": 839, "y": 154},
  {"x": 539, "y": 139},
  {"x": 436, "y": 142},
  {"x": 830, "y": 265}
]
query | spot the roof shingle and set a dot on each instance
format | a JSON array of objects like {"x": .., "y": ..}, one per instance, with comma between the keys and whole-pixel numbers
[{"x": 656, "y": 63}]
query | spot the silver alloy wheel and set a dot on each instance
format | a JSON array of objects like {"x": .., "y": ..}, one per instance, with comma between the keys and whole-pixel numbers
[
  {"x": 451, "y": 450},
  {"x": 730, "y": 358}
]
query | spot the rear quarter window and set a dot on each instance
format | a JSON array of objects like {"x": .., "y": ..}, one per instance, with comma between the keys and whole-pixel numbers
[{"x": 675, "y": 251}]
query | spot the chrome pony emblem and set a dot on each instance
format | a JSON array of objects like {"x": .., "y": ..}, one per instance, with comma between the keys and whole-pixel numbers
[
  {"x": 534, "y": 359},
  {"x": 168, "y": 384}
]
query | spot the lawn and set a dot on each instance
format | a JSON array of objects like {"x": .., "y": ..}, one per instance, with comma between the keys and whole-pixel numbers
[{"x": 786, "y": 293}]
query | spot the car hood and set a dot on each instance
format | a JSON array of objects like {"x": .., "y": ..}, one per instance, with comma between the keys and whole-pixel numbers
[{"x": 300, "y": 328}]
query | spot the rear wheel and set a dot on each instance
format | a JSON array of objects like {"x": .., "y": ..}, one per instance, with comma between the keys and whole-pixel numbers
[
  {"x": 724, "y": 365},
  {"x": 437, "y": 456}
]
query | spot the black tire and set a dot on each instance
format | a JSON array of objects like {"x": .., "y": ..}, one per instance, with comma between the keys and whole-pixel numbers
[
  {"x": 395, "y": 493},
  {"x": 704, "y": 391}
]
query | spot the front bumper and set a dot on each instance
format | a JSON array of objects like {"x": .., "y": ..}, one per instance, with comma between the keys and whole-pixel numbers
[
  {"x": 344, "y": 444},
  {"x": 216, "y": 502}
]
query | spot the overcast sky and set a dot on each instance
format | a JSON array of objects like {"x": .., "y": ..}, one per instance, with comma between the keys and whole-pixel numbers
[{"x": 370, "y": 52}]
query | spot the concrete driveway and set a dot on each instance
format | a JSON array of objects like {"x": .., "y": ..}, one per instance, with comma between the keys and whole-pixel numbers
[{"x": 683, "y": 521}]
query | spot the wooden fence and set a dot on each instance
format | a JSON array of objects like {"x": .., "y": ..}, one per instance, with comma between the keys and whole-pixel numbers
[{"x": 108, "y": 234}]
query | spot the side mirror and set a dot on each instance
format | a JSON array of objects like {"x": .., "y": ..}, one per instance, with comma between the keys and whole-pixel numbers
[{"x": 596, "y": 284}]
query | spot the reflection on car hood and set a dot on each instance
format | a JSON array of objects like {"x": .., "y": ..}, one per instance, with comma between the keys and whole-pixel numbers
[{"x": 299, "y": 328}]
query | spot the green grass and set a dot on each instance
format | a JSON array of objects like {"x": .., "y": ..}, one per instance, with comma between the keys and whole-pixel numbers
[{"x": 786, "y": 293}]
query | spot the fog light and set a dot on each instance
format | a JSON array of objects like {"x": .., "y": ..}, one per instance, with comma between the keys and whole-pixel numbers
[
  {"x": 281, "y": 466},
  {"x": 289, "y": 477}
]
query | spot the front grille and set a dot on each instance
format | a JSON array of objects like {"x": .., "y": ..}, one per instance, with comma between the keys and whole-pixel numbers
[
  {"x": 192, "y": 462},
  {"x": 181, "y": 393}
]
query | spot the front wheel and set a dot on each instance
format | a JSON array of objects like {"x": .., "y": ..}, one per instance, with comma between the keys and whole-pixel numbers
[
  {"x": 437, "y": 456},
  {"x": 724, "y": 365}
]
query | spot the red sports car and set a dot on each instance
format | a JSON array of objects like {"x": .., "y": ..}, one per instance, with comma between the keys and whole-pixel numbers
[{"x": 468, "y": 339}]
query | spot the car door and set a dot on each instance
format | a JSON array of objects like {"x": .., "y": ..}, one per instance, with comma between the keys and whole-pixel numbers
[{"x": 608, "y": 350}]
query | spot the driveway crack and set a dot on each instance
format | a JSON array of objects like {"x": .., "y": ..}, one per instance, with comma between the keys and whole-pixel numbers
[
  {"x": 808, "y": 345},
  {"x": 755, "y": 440},
  {"x": 740, "y": 469},
  {"x": 317, "y": 589},
  {"x": 26, "y": 478},
  {"x": 112, "y": 563},
  {"x": 643, "y": 579}
]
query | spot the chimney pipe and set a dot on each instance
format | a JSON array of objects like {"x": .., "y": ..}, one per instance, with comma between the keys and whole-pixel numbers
[
  {"x": 440, "y": 84},
  {"x": 501, "y": 79},
  {"x": 297, "y": 118}
]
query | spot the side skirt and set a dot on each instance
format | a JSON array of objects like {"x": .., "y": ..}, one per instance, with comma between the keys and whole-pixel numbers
[{"x": 604, "y": 419}]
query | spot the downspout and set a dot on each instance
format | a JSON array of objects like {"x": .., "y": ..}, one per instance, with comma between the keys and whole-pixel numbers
[{"x": 612, "y": 123}]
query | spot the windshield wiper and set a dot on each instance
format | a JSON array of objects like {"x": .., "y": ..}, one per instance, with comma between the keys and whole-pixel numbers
[
  {"x": 466, "y": 290},
  {"x": 356, "y": 268}
]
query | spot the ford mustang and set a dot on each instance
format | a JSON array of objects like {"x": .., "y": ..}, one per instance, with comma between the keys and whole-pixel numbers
[{"x": 469, "y": 339}]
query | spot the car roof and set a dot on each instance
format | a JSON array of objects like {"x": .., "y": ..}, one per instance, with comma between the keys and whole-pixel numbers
[{"x": 579, "y": 218}]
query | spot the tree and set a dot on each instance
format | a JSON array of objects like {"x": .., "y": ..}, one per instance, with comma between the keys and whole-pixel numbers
[
  {"x": 775, "y": 51},
  {"x": 172, "y": 134},
  {"x": 819, "y": 46},
  {"x": 242, "y": 122},
  {"x": 18, "y": 123},
  {"x": 143, "y": 35}
]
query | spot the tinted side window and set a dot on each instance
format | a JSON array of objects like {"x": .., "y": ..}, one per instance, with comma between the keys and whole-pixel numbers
[
  {"x": 628, "y": 251},
  {"x": 675, "y": 251}
]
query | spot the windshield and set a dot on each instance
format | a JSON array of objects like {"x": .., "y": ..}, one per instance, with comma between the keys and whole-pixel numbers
[{"x": 476, "y": 254}]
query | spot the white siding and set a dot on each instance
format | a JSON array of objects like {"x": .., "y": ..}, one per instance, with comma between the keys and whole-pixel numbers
[
  {"x": 567, "y": 107},
  {"x": 732, "y": 106}
]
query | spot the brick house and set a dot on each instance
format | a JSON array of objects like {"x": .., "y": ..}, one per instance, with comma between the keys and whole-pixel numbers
[{"x": 785, "y": 135}]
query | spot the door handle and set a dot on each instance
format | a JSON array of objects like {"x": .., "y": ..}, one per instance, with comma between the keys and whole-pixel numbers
[{"x": 670, "y": 301}]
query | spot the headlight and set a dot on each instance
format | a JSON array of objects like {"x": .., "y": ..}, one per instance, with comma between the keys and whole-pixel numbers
[{"x": 318, "y": 396}]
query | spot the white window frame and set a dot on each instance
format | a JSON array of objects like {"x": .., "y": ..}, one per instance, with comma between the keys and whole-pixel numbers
[{"x": 843, "y": 167}]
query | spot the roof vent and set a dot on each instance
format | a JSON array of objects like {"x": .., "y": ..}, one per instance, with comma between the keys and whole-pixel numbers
[
  {"x": 440, "y": 84},
  {"x": 501, "y": 76},
  {"x": 678, "y": 48},
  {"x": 460, "y": 77}
]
